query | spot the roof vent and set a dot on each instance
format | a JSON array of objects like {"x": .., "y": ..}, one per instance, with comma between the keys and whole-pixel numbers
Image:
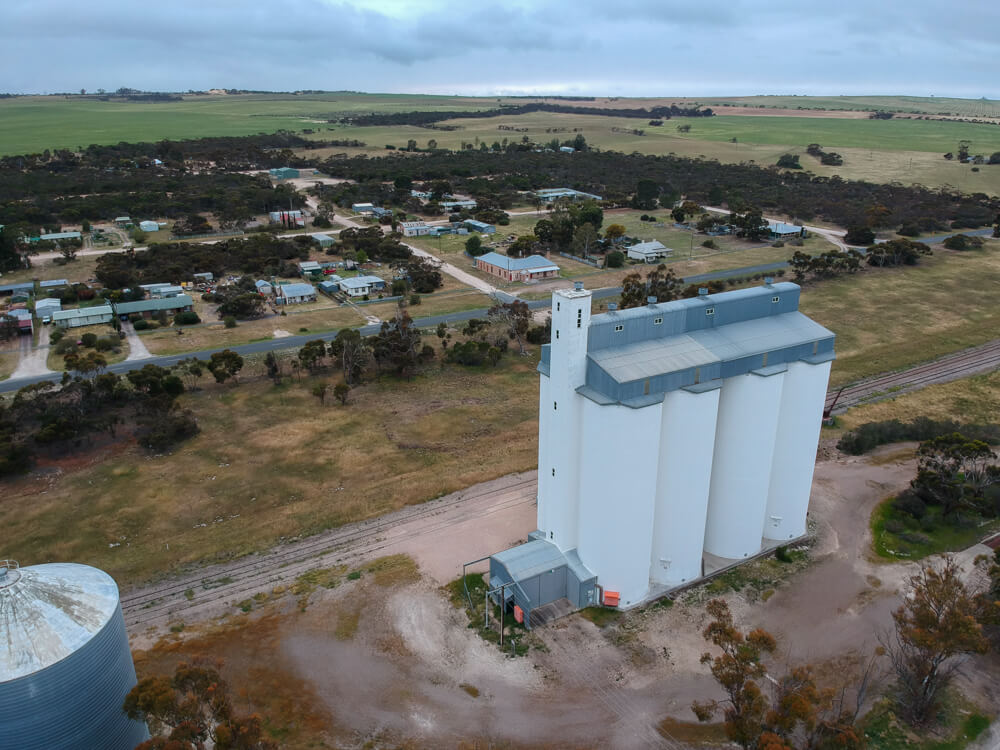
[
  {"x": 651, "y": 300},
  {"x": 578, "y": 286},
  {"x": 612, "y": 307},
  {"x": 702, "y": 292},
  {"x": 768, "y": 281}
]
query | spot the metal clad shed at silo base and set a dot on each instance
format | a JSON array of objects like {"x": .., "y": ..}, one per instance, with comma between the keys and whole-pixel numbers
[{"x": 65, "y": 663}]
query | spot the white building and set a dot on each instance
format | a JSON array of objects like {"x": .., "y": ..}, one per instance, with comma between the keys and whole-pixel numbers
[
  {"x": 415, "y": 228},
  {"x": 649, "y": 252},
  {"x": 674, "y": 439},
  {"x": 359, "y": 286},
  {"x": 296, "y": 294}
]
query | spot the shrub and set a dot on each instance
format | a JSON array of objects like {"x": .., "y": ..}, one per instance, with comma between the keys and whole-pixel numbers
[
  {"x": 911, "y": 229},
  {"x": 170, "y": 430},
  {"x": 710, "y": 244},
  {"x": 141, "y": 325},
  {"x": 414, "y": 299},
  {"x": 56, "y": 335},
  {"x": 229, "y": 321},
  {"x": 186, "y": 318},
  {"x": 796, "y": 242},
  {"x": 65, "y": 346},
  {"x": 88, "y": 340},
  {"x": 778, "y": 243},
  {"x": 873, "y": 434},
  {"x": 105, "y": 344},
  {"x": 909, "y": 503},
  {"x": 782, "y": 554},
  {"x": 615, "y": 259}
]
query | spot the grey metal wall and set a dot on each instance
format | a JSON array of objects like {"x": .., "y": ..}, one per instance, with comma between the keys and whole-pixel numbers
[{"x": 76, "y": 703}]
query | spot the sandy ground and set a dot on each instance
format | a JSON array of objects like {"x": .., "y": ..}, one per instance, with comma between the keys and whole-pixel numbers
[
  {"x": 580, "y": 686},
  {"x": 136, "y": 349},
  {"x": 32, "y": 360}
]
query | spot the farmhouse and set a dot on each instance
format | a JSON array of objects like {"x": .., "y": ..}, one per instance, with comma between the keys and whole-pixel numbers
[
  {"x": 551, "y": 194},
  {"x": 452, "y": 205},
  {"x": 414, "y": 228},
  {"x": 149, "y": 226},
  {"x": 721, "y": 399},
  {"x": 567, "y": 149},
  {"x": 649, "y": 252},
  {"x": 123, "y": 221},
  {"x": 264, "y": 287},
  {"x": 363, "y": 208},
  {"x": 517, "y": 269},
  {"x": 479, "y": 226},
  {"x": 296, "y": 294},
  {"x": 149, "y": 307},
  {"x": 283, "y": 173},
  {"x": 779, "y": 230},
  {"x": 86, "y": 316}
]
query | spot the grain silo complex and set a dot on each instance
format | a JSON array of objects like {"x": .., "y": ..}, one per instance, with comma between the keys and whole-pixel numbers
[
  {"x": 65, "y": 664},
  {"x": 675, "y": 439}
]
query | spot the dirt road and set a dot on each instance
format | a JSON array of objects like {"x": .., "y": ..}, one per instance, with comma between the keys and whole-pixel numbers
[
  {"x": 136, "y": 349},
  {"x": 32, "y": 360}
]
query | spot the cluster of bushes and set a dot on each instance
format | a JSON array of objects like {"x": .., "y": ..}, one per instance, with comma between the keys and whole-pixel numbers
[
  {"x": 871, "y": 435},
  {"x": 829, "y": 158},
  {"x": 63, "y": 344},
  {"x": 963, "y": 242},
  {"x": 826, "y": 265}
]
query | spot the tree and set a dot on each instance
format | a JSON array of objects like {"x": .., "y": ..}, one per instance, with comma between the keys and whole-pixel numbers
[
  {"x": 523, "y": 246},
  {"x": 352, "y": 352},
  {"x": 750, "y": 225},
  {"x": 646, "y": 193},
  {"x": 660, "y": 282},
  {"x": 397, "y": 344},
  {"x": 68, "y": 252},
  {"x": 789, "y": 161},
  {"x": 935, "y": 629},
  {"x": 615, "y": 259},
  {"x": 954, "y": 472},
  {"x": 737, "y": 670},
  {"x": 312, "y": 354},
  {"x": 192, "y": 711},
  {"x": 340, "y": 392},
  {"x": 589, "y": 212},
  {"x": 10, "y": 327},
  {"x": 474, "y": 245},
  {"x": 424, "y": 274},
  {"x": 319, "y": 390},
  {"x": 613, "y": 233},
  {"x": 514, "y": 318},
  {"x": 678, "y": 214},
  {"x": 89, "y": 364},
  {"x": 242, "y": 306},
  {"x": 225, "y": 365},
  {"x": 191, "y": 369},
  {"x": 584, "y": 239},
  {"x": 897, "y": 252}
]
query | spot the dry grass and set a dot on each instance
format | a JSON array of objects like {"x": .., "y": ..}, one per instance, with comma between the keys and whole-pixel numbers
[
  {"x": 347, "y": 622},
  {"x": 8, "y": 363},
  {"x": 271, "y": 463},
  {"x": 258, "y": 677},
  {"x": 693, "y": 734},
  {"x": 891, "y": 318}
]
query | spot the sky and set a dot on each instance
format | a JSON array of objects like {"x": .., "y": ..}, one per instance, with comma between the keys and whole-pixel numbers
[{"x": 484, "y": 47}]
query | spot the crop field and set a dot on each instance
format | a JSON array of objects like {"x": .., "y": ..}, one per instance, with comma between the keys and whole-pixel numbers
[
  {"x": 31, "y": 124},
  {"x": 921, "y": 105}
]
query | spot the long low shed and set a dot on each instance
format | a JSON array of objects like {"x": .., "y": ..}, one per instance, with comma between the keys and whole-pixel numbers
[{"x": 87, "y": 316}]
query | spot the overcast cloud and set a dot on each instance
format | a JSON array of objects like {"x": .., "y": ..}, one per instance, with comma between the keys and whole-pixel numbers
[{"x": 593, "y": 47}]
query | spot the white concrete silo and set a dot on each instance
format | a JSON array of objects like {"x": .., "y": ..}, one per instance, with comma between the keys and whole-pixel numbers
[
  {"x": 741, "y": 468},
  {"x": 65, "y": 663},
  {"x": 617, "y": 491},
  {"x": 687, "y": 441},
  {"x": 799, "y": 422}
]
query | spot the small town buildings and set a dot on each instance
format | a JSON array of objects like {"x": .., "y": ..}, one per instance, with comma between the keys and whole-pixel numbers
[
  {"x": 123, "y": 221},
  {"x": 168, "y": 290},
  {"x": 363, "y": 208},
  {"x": 551, "y": 194},
  {"x": 203, "y": 278},
  {"x": 56, "y": 236},
  {"x": 779, "y": 230},
  {"x": 28, "y": 287},
  {"x": 45, "y": 307},
  {"x": 331, "y": 286},
  {"x": 149, "y": 226},
  {"x": 283, "y": 173},
  {"x": 25, "y": 320},
  {"x": 153, "y": 290},
  {"x": 147, "y": 308},
  {"x": 87, "y": 316},
  {"x": 324, "y": 240},
  {"x": 264, "y": 287},
  {"x": 307, "y": 267},
  {"x": 414, "y": 228},
  {"x": 649, "y": 252},
  {"x": 296, "y": 294},
  {"x": 287, "y": 218},
  {"x": 359, "y": 286},
  {"x": 479, "y": 226},
  {"x": 532, "y": 268},
  {"x": 423, "y": 195},
  {"x": 567, "y": 149},
  {"x": 453, "y": 205}
]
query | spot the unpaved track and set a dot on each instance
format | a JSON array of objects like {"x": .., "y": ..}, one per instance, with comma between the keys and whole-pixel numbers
[
  {"x": 435, "y": 534},
  {"x": 136, "y": 349},
  {"x": 33, "y": 360},
  {"x": 979, "y": 359}
]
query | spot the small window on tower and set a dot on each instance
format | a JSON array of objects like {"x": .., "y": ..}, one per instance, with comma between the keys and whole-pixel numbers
[
  {"x": 557, "y": 306},
  {"x": 657, "y": 321},
  {"x": 557, "y": 333},
  {"x": 710, "y": 311},
  {"x": 579, "y": 317},
  {"x": 553, "y": 472},
  {"x": 775, "y": 300},
  {"x": 555, "y": 405},
  {"x": 619, "y": 328}
]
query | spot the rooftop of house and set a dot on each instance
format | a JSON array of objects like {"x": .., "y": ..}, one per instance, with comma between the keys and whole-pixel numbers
[
  {"x": 163, "y": 303},
  {"x": 297, "y": 290},
  {"x": 650, "y": 246},
  {"x": 533, "y": 262}
]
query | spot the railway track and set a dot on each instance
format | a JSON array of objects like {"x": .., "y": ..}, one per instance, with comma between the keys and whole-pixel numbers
[
  {"x": 985, "y": 358},
  {"x": 282, "y": 565}
]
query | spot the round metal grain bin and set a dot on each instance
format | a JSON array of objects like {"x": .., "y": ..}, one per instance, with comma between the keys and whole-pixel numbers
[{"x": 65, "y": 664}]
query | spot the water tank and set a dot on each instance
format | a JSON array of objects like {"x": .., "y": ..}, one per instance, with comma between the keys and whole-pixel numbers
[
  {"x": 65, "y": 663},
  {"x": 741, "y": 468},
  {"x": 802, "y": 397}
]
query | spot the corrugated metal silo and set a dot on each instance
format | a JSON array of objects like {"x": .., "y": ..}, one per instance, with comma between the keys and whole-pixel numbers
[{"x": 65, "y": 663}]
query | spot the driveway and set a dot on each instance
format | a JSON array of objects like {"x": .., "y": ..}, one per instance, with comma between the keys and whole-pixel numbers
[
  {"x": 136, "y": 349},
  {"x": 32, "y": 362}
]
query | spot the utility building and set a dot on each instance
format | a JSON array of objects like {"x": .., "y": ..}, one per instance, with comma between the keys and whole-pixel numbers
[{"x": 674, "y": 439}]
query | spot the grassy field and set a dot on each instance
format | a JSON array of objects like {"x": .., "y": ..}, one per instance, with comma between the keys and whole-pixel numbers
[
  {"x": 914, "y": 104},
  {"x": 890, "y": 318},
  {"x": 271, "y": 463}
]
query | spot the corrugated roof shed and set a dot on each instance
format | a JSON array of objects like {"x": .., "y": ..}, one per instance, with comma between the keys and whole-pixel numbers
[
  {"x": 297, "y": 290},
  {"x": 533, "y": 262},
  {"x": 154, "y": 305}
]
